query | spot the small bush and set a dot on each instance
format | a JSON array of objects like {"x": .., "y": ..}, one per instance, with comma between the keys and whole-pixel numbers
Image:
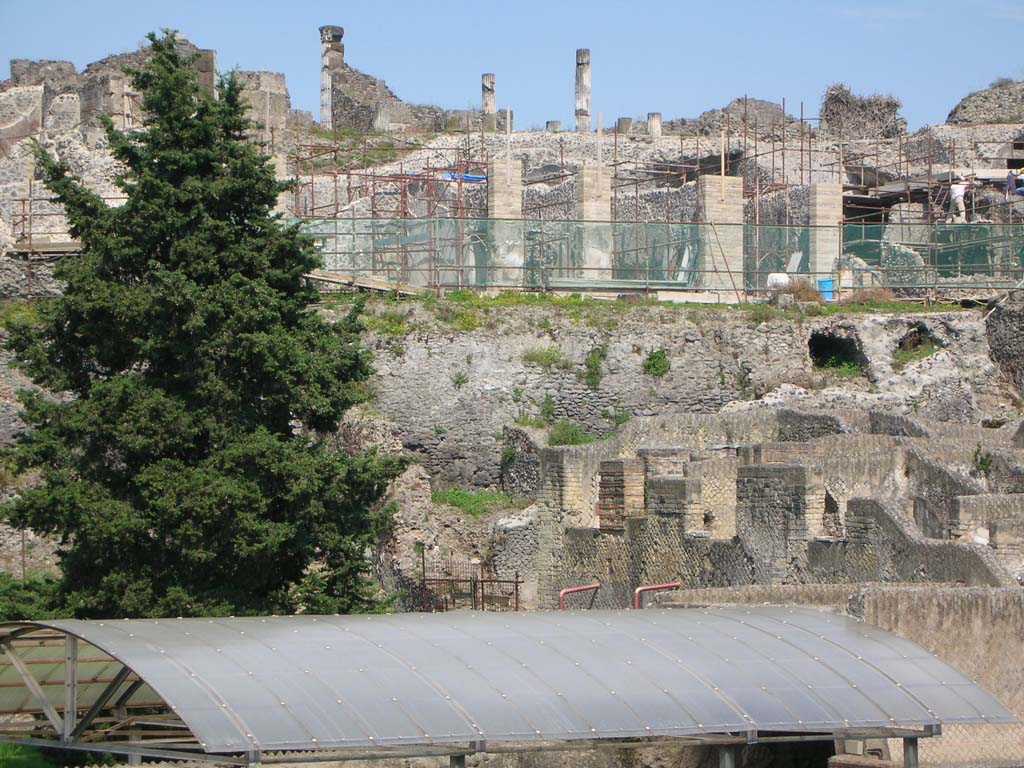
[
  {"x": 33, "y": 598},
  {"x": 15, "y": 312},
  {"x": 466, "y": 321},
  {"x": 547, "y": 409},
  {"x": 565, "y": 432},
  {"x": 546, "y": 357},
  {"x": 473, "y": 503},
  {"x": 1001, "y": 82},
  {"x": 615, "y": 416},
  {"x": 387, "y": 323},
  {"x": 459, "y": 379},
  {"x": 800, "y": 290},
  {"x": 657, "y": 363},
  {"x": 870, "y": 296},
  {"x": 982, "y": 461},
  {"x": 508, "y": 457},
  {"x": 528, "y": 420},
  {"x": 592, "y": 366}
]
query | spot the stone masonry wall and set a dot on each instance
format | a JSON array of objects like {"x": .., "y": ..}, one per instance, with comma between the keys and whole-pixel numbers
[{"x": 452, "y": 392}]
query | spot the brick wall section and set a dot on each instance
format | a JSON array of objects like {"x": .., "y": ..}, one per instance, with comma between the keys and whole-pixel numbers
[
  {"x": 621, "y": 492},
  {"x": 778, "y": 507}
]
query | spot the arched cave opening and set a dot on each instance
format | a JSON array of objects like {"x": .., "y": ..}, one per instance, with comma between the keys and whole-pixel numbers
[{"x": 836, "y": 352}]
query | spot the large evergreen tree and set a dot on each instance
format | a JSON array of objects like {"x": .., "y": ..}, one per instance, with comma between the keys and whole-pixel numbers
[{"x": 182, "y": 471}]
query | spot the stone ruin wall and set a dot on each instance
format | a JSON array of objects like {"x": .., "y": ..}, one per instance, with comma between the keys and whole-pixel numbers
[
  {"x": 781, "y": 529},
  {"x": 716, "y": 359}
]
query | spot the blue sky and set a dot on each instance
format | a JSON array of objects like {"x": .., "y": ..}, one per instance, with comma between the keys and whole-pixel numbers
[{"x": 677, "y": 58}]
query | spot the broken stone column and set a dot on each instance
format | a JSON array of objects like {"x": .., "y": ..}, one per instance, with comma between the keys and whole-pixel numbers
[
  {"x": 623, "y": 126},
  {"x": 594, "y": 206},
  {"x": 583, "y": 90},
  {"x": 332, "y": 60},
  {"x": 720, "y": 203},
  {"x": 826, "y": 214},
  {"x": 382, "y": 118},
  {"x": 553, "y": 126},
  {"x": 654, "y": 125},
  {"x": 488, "y": 102}
]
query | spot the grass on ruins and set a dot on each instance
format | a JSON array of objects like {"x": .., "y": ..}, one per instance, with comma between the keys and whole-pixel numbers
[
  {"x": 605, "y": 314},
  {"x": 565, "y": 432},
  {"x": 904, "y": 356},
  {"x": 473, "y": 503}
]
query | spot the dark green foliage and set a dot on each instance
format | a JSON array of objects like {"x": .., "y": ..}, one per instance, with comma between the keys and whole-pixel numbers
[
  {"x": 592, "y": 365},
  {"x": 184, "y": 475},
  {"x": 16, "y": 756},
  {"x": 657, "y": 363},
  {"x": 547, "y": 409},
  {"x": 32, "y": 598}
]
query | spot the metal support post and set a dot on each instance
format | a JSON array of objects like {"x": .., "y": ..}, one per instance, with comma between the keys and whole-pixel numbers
[
  {"x": 910, "y": 753},
  {"x": 70, "y": 686}
]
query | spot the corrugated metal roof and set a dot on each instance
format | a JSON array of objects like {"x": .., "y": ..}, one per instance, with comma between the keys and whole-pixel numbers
[{"x": 323, "y": 682}]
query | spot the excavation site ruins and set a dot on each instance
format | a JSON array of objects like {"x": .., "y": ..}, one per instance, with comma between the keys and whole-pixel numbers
[{"x": 715, "y": 427}]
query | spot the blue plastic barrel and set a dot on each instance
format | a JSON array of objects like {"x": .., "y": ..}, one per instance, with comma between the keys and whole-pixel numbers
[{"x": 827, "y": 288}]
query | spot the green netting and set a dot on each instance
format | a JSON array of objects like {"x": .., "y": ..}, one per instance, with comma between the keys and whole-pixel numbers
[{"x": 573, "y": 255}]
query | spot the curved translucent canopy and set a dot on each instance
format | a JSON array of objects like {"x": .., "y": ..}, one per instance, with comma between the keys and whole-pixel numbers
[{"x": 339, "y": 682}]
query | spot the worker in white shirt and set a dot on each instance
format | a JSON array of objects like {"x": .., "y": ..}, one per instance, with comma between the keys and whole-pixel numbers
[{"x": 957, "y": 206}]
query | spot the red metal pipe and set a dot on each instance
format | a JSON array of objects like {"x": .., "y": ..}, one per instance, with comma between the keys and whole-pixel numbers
[
  {"x": 572, "y": 591},
  {"x": 639, "y": 591}
]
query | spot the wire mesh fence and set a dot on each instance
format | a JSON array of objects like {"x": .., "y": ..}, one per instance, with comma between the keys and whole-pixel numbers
[{"x": 911, "y": 260}]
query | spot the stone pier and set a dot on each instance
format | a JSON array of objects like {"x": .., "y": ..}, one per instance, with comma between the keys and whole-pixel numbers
[
  {"x": 332, "y": 59},
  {"x": 504, "y": 189},
  {"x": 488, "y": 102},
  {"x": 594, "y": 204},
  {"x": 503, "y": 262},
  {"x": 720, "y": 203},
  {"x": 654, "y": 125},
  {"x": 583, "y": 90},
  {"x": 826, "y": 215},
  {"x": 623, "y": 126},
  {"x": 553, "y": 126}
]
